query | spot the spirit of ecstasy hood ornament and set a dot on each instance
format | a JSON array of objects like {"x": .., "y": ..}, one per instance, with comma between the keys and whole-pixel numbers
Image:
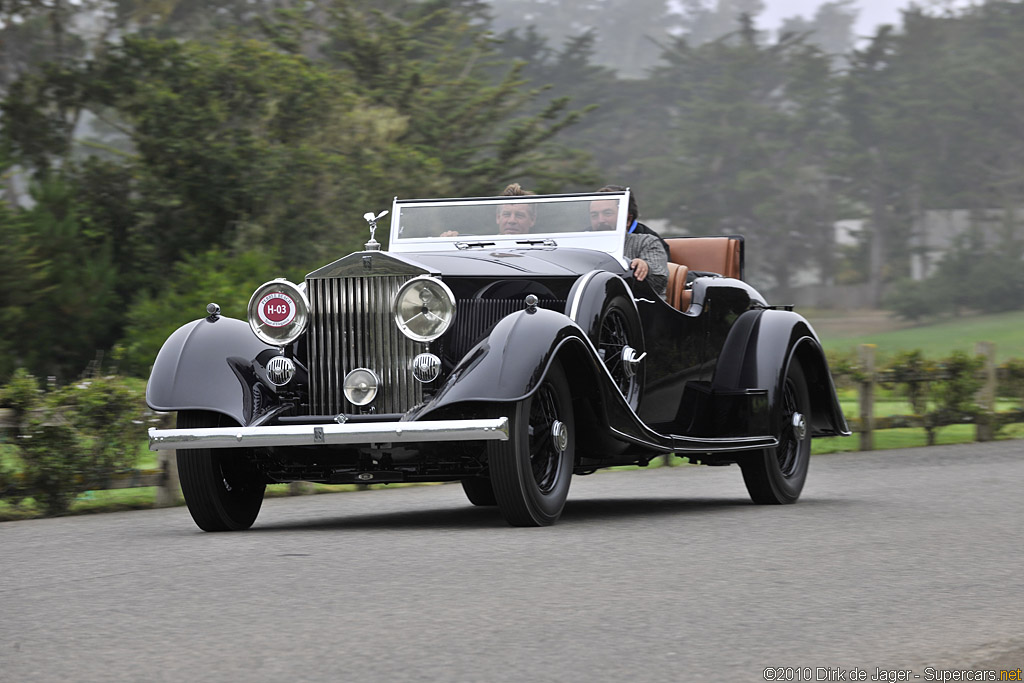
[{"x": 373, "y": 244}]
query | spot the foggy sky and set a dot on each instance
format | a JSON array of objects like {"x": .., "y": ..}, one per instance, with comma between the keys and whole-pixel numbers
[{"x": 871, "y": 14}]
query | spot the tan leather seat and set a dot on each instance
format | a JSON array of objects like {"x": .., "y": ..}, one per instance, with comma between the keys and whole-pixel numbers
[
  {"x": 676, "y": 288},
  {"x": 712, "y": 254},
  {"x": 709, "y": 254}
]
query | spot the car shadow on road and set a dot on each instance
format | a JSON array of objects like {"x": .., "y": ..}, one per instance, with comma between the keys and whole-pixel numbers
[
  {"x": 576, "y": 512},
  {"x": 590, "y": 509}
]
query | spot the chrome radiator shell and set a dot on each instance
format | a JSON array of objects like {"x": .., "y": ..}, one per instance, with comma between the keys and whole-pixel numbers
[{"x": 351, "y": 326}]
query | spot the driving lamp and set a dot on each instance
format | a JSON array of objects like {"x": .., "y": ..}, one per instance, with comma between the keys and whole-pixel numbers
[
  {"x": 360, "y": 386},
  {"x": 278, "y": 312},
  {"x": 424, "y": 308}
]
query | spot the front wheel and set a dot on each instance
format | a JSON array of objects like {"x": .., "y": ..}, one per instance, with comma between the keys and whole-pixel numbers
[
  {"x": 776, "y": 476},
  {"x": 531, "y": 472},
  {"x": 222, "y": 488}
]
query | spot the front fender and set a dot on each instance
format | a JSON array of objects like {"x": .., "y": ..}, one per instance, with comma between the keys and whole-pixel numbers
[
  {"x": 757, "y": 354},
  {"x": 588, "y": 297},
  {"x": 512, "y": 361},
  {"x": 207, "y": 365}
]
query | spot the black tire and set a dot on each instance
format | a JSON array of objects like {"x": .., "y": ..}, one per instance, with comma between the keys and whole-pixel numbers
[
  {"x": 530, "y": 474},
  {"x": 222, "y": 488},
  {"x": 775, "y": 476},
  {"x": 620, "y": 327},
  {"x": 479, "y": 491}
]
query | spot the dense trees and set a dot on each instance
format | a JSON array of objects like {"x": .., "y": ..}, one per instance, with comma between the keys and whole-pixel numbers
[
  {"x": 160, "y": 151},
  {"x": 237, "y": 145},
  {"x": 933, "y": 115},
  {"x": 752, "y": 146}
]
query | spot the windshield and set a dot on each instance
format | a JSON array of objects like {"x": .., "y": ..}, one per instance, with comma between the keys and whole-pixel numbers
[{"x": 583, "y": 221}]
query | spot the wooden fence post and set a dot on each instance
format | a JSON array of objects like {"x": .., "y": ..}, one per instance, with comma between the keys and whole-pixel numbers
[
  {"x": 866, "y": 354},
  {"x": 984, "y": 429},
  {"x": 167, "y": 494}
]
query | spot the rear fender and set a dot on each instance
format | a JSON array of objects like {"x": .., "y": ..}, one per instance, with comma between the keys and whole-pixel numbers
[
  {"x": 757, "y": 354},
  {"x": 208, "y": 364}
]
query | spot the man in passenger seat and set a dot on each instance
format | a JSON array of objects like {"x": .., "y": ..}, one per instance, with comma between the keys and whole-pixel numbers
[
  {"x": 646, "y": 251},
  {"x": 632, "y": 214}
]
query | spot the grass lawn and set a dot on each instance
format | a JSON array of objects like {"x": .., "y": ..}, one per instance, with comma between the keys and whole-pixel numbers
[
  {"x": 910, "y": 437},
  {"x": 845, "y": 331}
]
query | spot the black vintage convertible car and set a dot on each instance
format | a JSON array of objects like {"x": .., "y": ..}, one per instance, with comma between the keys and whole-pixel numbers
[{"x": 501, "y": 342}]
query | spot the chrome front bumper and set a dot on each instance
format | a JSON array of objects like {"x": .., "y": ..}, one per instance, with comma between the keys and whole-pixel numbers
[{"x": 495, "y": 429}]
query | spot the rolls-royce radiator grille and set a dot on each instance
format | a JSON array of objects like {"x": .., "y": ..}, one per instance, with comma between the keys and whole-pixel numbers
[{"x": 351, "y": 326}]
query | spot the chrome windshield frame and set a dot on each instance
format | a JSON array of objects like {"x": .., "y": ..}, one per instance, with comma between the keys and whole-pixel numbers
[{"x": 402, "y": 240}]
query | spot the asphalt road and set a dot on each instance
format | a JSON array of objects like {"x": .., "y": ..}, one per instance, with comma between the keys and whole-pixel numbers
[{"x": 893, "y": 560}]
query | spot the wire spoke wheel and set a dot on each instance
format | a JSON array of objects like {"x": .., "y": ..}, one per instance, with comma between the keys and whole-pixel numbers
[
  {"x": 545, "y": 458},
  {"x": 620, "y": 329},
  {"x": 776, "y": 475},
  {"x": 531, "y": 471},
  {"x": 788, "y": 451},
  {"x": 613, "y": 340}
]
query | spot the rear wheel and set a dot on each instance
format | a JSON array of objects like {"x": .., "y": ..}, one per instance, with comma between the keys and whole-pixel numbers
[
  {"x": 776, "y": 475},
  {"x": 479, "y": 491},
  {"x": 531, "y": 472},
  {"x": 222, "y": 488}
]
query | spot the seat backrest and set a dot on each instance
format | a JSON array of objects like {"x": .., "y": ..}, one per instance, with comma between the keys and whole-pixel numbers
[
  {"x": 675, "y": 292},
  {"x": 722, "y": 255}
]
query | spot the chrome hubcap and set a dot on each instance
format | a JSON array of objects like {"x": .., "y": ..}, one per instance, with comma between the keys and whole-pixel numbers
[
  {"x": 560, "y": 435},
  {"x": 631, "y": 361},
  {"x": 799, "y": 426}
]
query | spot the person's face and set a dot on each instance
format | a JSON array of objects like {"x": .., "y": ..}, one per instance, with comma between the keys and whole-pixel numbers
[
  {"x": 514, "y": 219},
  {"x": 604, "y": 213}
]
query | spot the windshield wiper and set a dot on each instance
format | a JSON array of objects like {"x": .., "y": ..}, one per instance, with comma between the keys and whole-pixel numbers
[
  {"x": 474, "y": 245},
  {"x": 547, "y": 242}
]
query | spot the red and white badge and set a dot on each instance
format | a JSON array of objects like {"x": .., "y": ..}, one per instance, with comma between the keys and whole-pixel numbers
[{"x": 277, "y": 309}]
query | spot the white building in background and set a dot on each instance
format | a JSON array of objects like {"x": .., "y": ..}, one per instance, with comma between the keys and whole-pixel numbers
[{"x": 937, "y": 232}]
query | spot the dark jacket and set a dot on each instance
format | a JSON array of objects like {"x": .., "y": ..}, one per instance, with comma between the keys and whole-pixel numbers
[{"x": 643, "y": 229}]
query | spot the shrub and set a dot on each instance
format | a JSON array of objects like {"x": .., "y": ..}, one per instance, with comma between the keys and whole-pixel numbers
[
  {"x": 917, "y": 299},
  {"x": 1011, "y": 384},
  {"x": 954, "y": 394},
  {"x": 71, "y": 439},
  {"x": 843, "y": 367},
  {"x": 906, "y": 373}
]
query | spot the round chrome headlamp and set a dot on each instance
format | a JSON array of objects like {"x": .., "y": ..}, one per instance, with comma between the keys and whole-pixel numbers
[
  {"x": 278, "y": 312},
  {"x": 424, "y": 308}
]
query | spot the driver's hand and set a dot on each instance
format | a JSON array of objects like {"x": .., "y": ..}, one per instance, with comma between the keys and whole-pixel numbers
[
  {"x": 450, "y": 233},
  {"x": 640, "y": 269}
]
